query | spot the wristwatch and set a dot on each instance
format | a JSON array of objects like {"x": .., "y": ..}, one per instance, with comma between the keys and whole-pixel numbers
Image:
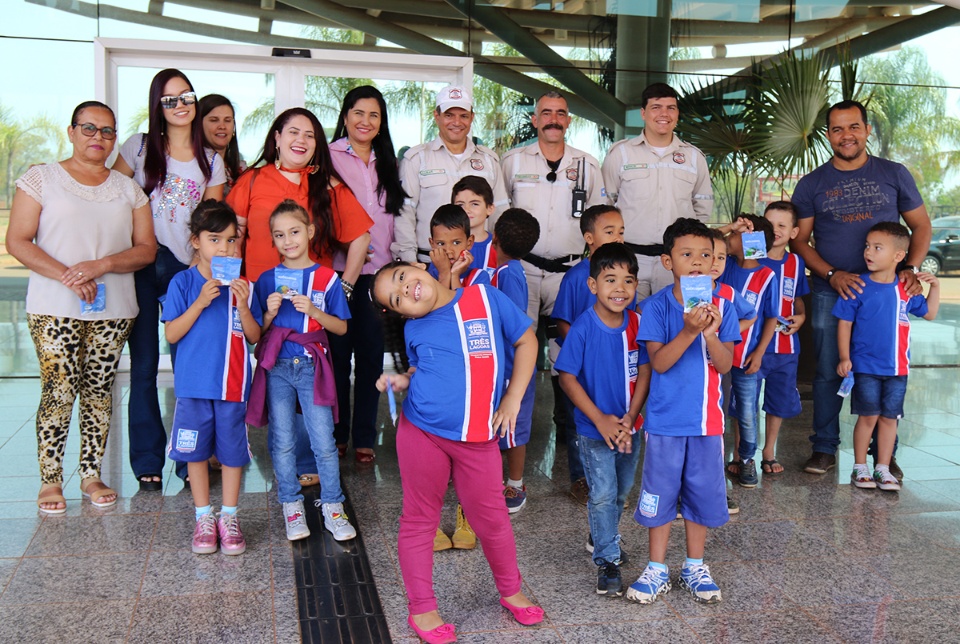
[
  {"x": 911, "y": 267},
  {"x": 830, "y": 274}
]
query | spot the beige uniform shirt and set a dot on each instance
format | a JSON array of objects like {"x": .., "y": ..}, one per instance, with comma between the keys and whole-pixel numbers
[
  {"x": 428, "y": 173},
  {"x": 525, "y": 172},
  {"x": 652, "y": 191}
]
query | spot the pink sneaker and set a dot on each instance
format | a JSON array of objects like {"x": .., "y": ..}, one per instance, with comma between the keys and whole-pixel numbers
[
  {"x": 205, "y": 535},
  {"x": 231, "y": 538}
]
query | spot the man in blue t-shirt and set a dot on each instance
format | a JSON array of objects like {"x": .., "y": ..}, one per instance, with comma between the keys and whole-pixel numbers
[{"x": 838, "y": 203}]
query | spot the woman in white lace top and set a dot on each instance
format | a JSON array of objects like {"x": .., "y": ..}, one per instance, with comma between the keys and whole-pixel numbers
[{"x": 82, "y": 230}]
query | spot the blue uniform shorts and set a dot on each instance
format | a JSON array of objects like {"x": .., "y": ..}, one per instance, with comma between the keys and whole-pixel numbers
[
  {"x": 779, "y": 375},
  {"x": 878, "y": 395},
  {"x": 524, "y": 419},
  {"x": 682, "y": 467},
  {"x": 203, "y": 428}
]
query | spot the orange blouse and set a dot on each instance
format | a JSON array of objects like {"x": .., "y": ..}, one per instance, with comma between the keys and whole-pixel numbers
[{"x": 350, "y": 220}]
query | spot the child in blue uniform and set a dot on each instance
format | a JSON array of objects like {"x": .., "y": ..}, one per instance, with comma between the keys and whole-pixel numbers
[
  {"x": 779, "y": 370},
  {"x": 515, "y": 235},
  {"x": 605, "y": 371},
  {"x": 298, "y": 311},
  {"x": 451, "y": 262},
  {"x": 757, "y": 284},
  {"x": 689, "y": 353},
  {"x": 211, "y": 325},
  {"x": 873, "y": 335},
  {"x": 455, "y": 405},
  {"x": 475, "y": 196}
]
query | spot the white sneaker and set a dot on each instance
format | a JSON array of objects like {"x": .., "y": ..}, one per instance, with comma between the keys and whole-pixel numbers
[
  {"x": 295, "y": 520},
  {"x": 885, "y": 480},
  {"x": 335, "y": 520}
]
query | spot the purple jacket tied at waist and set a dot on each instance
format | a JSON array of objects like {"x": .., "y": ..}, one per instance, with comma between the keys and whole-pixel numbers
[{"x": 317, "y": 345}]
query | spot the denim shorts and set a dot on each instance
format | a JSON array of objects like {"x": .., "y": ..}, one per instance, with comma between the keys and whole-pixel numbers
[{"x": 878, "y": 395}]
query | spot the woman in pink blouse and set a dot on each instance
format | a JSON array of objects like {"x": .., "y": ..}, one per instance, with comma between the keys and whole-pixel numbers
[{"x": 363, "y": 154}]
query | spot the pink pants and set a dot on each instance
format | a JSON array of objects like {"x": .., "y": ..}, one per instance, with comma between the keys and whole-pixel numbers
[{"x": 426, "y": 463}]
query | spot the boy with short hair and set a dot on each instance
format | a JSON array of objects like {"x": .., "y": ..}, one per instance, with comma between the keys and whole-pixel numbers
[
  {"x": 450, "y": 245},
  {"x": 689, "y": 353},
  {"x": 475, "y": 196},
  {"x": 874, "y": 340},
  {"x": 600, "y": 224},
  {"x": 779, "y": 369},
  {"x": 757, "y": 284},
  {"x": 605, "y": 371},
  {"x": 515, "y": 235}
]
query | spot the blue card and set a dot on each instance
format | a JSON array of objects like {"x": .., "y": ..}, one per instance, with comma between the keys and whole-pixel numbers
[
  {"x": 754, "y": 245},
  {"x": 783, "y": 324},
  {"x": 696, "y": 290},
  {"x": 225, "y": 269},
  {"x": 392, "y": 402},
  {"x": 99, "y": 304},
  {"x": 287, "y": 281},
  {"x": 846, "y": 386}
]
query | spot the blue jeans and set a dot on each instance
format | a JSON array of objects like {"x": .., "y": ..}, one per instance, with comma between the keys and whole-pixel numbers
[
  {"x": 610, "y": 476},
  {"x": 826, "y": 403},
  {"x": 147, "y": 437},
  {"x": 291, "y": 380},
  {"x": 745, "y": 390}
]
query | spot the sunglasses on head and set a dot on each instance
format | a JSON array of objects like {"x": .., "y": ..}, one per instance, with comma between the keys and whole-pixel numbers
[
  {"x": 170, "y": 102},
  {"x": 89, "y": 129}
]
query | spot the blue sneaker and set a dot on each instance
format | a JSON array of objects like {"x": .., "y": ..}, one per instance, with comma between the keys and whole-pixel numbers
[
  {"x": 651, "y": 584},
  {"x": 516, "y": 498},
  {"x": 698, "y": 581}
]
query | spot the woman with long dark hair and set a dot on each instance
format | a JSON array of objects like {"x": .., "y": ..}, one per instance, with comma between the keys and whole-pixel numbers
[
  {"x": 173, "y": 167},
  {"x": 296, "y": 165},
  {"x": 363, "y": 154},
  {"x": 220, "y": 133}
]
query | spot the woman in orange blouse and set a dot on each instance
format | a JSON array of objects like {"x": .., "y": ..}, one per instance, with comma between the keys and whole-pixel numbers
[{"x": 297, "y": 166}]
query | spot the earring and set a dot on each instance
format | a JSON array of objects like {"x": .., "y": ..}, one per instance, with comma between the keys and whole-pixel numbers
[
  {"x": 313, "y": 168},
  {"x": 277, "y": 162}
]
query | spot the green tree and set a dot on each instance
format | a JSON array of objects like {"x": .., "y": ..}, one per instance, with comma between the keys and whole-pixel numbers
[{"x": 25, "y": 143}]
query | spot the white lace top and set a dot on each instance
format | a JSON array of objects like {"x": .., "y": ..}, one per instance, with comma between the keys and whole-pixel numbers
[{"x": 80, "y": 223}]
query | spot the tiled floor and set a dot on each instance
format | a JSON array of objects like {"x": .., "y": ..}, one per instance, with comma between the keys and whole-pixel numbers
[{"x": 808, "y": 558}]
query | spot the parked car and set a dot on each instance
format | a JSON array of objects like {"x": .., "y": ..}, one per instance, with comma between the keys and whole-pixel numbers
[
  {"x": 952, "y": 221},
  {"x": 944, "y": 253}
]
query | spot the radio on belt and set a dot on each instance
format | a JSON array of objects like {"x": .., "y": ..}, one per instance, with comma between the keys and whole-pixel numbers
[{"x": 578, "y": 193}]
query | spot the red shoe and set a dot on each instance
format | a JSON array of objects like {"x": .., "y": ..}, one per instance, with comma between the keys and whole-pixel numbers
[
  {"x": 440, "y": 635},
  {"x": 527, "y": 616}
]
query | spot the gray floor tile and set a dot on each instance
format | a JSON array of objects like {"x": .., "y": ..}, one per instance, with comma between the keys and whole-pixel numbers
[
  {"x": 778, "y": 626},
  {"x": 184, "y": 573},
  {"x": 746, "y": 588},
  {"x": 93, "y": 535},
  {"x": 242, "y": 618},
  {"x": 829, "y": 581},
  {"x": 7, "y": 566},
  {"x": 94, "y": 577},
  {"x": 896, "y": 621},
  {"x": 66, "y": 622},
  {"x": 768, "y": 541},
  {"x": 572, "y": 599},
  {"x": 939, "y": 527},
  {"x": 16, "y": 534},
  {"x": 663, "y": 630}
]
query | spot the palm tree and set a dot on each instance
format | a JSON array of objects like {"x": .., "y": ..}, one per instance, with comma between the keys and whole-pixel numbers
[{"x": 23, "y": 144}]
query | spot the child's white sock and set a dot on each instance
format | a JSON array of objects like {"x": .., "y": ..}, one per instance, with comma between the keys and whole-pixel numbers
[
  {"x": 228, "y": 509},
  {"x": 881, "y": 468},
  {"x": 516, "y": 484},
  {"x": 202, "y": 511}
]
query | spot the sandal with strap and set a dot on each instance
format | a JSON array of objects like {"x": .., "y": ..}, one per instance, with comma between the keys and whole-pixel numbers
[
  {"x": 768, "y": 466},
  {"x": 96, "y": 496},
  {"x": 309, "y": 480},
  {"x": 51, "y": 493}
]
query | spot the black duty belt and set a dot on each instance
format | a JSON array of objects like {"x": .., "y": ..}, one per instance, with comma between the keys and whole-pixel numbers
[
  {"x": 649, "y": 250},
  {"x": 558, "y": 265}
]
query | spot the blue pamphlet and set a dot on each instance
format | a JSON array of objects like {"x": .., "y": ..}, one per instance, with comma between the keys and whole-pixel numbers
[
  {"x": 287, "y": 281},
  {"x": 696, "y": 290},
  {"x": 754, "y": 245},
  {"x": 99, "y": 304},
  {"x": 783, "y": 325},
  {"x": 846, "y": 386},
  {"x": 392, "y": 402},
  {"x": 225, "y": 269}
]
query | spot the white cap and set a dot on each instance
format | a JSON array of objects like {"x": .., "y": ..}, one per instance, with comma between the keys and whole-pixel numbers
[{"x": 454, "y": 96}]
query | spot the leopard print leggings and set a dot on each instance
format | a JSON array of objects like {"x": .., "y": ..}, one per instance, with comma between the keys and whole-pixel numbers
[{"x": 76, "y": 357}]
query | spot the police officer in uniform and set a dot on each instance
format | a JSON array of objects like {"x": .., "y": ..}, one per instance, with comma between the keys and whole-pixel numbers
[
  {"x": 428, "y": 172},
  {"x": 654, "y": 179},
  {"x": 555, "y": 183}
]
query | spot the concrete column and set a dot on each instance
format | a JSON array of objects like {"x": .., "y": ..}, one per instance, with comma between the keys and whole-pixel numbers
[{"x": 643, "y": 55}]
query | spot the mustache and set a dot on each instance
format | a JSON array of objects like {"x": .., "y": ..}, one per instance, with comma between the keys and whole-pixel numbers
[{"x": 552, "y": 126}]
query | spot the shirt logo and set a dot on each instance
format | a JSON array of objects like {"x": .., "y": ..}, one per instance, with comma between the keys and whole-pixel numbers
[
  {"x": 237, "y": 324},
  {"x": 648, "y": 504},
  {"x": 751, "y": 297},
  {"x": 679, "y": 158},
  {"x": 187, "y": 440},
  {"x": 476, "y": 164},
  {"x": 318, "y": 300},
  {"x": 902, "y": 318},
  {"x": 478, "y": 337},
  {"x": 789, "y": 288},
  {"x": 633, "y": 357},
  {"x": 572, "y": 174}
]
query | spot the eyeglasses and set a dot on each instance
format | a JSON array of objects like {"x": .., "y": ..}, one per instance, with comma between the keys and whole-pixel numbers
[
  {"x": 89, "y": 129},
  {"x": 170, "y": 102}
]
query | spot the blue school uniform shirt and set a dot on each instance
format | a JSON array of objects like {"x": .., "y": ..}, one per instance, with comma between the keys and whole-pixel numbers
[
  {"x": 758, "y": 286},
  {"x": 845, "y": 204},
  {"x": 792, "y": 282},
  {"x": 322, "y": 285},
  {"x": 452, "y": 353},
  {"x": 743, "y": 309},
  {"x": 605, "y": 361},
  {"x": 880, "y": 340},
  {"x": 686, "y": 399},
  {"x": 469, "y": 277},
  {"x": 213, "y": 361},
  {"x": 574, "y": 296},
  {"x": 510, "y": 280},
  {"x": 485, "y": 257}
]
